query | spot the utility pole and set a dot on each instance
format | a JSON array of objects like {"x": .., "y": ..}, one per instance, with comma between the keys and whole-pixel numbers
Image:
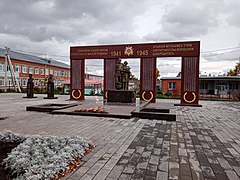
[
  {"x": 5, "y": 70},
  {"x": 13, "y": 75}
]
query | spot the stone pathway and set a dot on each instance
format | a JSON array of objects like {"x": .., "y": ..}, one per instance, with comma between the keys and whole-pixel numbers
[{"x": 204, "y": 142}]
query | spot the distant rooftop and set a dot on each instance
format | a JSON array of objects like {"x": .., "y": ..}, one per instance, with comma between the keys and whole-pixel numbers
[
  {"x": 207, "y": 78},
  {"x": 31, "y": 58},
  {"x": 166, "y": 78}
]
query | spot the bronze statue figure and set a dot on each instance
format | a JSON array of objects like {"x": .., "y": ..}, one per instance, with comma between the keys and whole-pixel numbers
[
  {"x": 30, "y": 79},
  {"x": 122, "y": 75},
  {"x": 30, "y": 87}
]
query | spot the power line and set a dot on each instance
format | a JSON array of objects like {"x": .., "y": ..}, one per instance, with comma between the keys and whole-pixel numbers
[
  {"x": 219, "y": 60},
  {"x": 238, "y": 47},
  {"x": 208, "y": 55}
]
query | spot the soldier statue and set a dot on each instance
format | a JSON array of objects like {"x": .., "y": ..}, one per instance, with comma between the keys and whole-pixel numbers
[{"x": 30, "y": 87}]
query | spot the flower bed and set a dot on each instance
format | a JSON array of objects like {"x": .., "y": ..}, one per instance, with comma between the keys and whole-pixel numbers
[
  {"x": 92, "y": 110},
  {"x": 48, "y": 157},
  {"x": 8, "y": 141}
]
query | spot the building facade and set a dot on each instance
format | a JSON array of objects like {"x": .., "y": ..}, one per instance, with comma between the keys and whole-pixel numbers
[
  {"x": 171, "y": 84},
  {"x": 40, "y": 68},
  {"x": 93, "y": 84},
  {"x": 219, "y": 85},
  {"x": 222, "y": 86}
]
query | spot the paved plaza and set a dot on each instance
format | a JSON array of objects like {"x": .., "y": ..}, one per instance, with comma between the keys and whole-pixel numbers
[{"x": 204, "y": 142}]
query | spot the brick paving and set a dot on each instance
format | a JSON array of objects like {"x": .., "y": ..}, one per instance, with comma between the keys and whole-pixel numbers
[{"x": 204, "y": 142}]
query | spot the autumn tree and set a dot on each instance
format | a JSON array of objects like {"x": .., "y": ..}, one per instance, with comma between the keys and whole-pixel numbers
[
  {"x": 235, "y": 71},
  {"x": 157, "y": 73}
]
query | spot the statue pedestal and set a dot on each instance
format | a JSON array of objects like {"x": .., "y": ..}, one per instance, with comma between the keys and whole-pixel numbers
[
  {"x": 121, "y": 96},
  {"x": 30, "y": 90},
  {"x": 50, "y": 91}
]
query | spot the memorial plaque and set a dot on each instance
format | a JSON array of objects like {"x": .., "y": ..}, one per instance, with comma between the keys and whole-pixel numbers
[
  {"x": 77, "y": 80},
  {"x": 76, "y": 70},
  {"x": 109, "y": 70},
  {"x": 190, "y": 80},
  {"x": 121, "y": 96},
  {"x": 148, "y": 79}
]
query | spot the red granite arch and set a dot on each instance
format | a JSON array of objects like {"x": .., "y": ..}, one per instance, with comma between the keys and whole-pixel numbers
[{"x": 189, "y": 51}]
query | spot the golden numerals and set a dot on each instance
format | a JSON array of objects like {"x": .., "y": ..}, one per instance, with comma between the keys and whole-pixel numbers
[
  {"x": 139, "y": 53},
  {"x": 116, "y": 53},
  {"x": 142, "y": 52}
]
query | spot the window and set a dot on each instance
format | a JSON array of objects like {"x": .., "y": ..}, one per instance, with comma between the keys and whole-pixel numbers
[
  {"x": 1, "y": 66},
  {"x": 55, "y": 73},
  {"x": 35, "y": 82},
  {"x": 233, "y": 86},
  {"x": 42, "y": 71},
  {"x": 8, "y": 67},
  {"x": 36, "y": 70},
  {"x": 2, "y": 82},
  {"x": 41, "y": 82},
  {"x": 17, "y": 68},
  {"x": 171, "y": 85},
  {"x": 10, "y": 82},
  {"x": 24, "y": 69},
  {"x": 30, "y": 70},
  {"x": 59, "y": 82},
  {"x": 62, "y": 73},
  {"x": 24, "y": 81},
  {"x": 46, "y": 71},
  {"x": 203, "y": 85},
  {"x": 51, "y": 71},
  {"x": 59, "y": 73}
]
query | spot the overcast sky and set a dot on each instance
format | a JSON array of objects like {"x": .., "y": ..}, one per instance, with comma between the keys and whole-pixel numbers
[{"x": 50, "y": 27}]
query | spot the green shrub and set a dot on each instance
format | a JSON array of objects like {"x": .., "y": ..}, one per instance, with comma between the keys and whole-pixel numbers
[{"x": 168, "y": 93}]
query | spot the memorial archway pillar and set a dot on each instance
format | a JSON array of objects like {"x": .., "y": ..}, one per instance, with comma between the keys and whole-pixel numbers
[
  {"x": 109, "y": 71},
  {"x": 148, "y": 80},
  {"x": 190, "y": 81},
  {"x": 77, "y": 80}
]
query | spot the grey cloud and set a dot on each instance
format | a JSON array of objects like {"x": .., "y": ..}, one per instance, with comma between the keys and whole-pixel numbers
[
  {"x": 234, "y": 17},
  {"x": 52, "y": 26},
  {"x": 73, "y": 20},
  {"x": 187, "y": 20},
  {"x": 117, "y": 37},
  {"x": 232, "y": 55}
]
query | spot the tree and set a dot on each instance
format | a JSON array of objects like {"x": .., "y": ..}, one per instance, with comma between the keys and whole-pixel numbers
[
  {"x": 157, "y": 73},
  {"x": 133, "y": 77},
  {"x": 235, "y": 71}
]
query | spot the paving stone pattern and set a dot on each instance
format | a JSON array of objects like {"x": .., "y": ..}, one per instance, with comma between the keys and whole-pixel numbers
[{"x": 204, "y": 142}]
